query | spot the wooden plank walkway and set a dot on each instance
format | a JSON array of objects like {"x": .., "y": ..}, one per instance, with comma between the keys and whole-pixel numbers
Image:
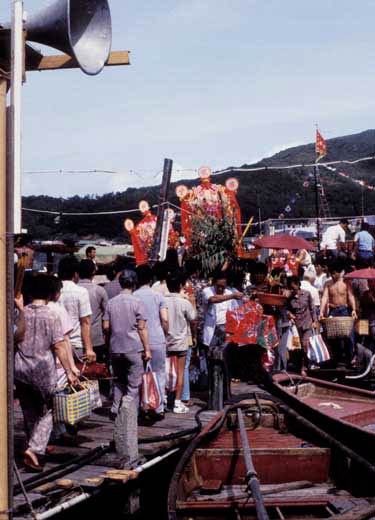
[
  {"x": 93, "y": 432},
  {"x": 96, "y": 431}
]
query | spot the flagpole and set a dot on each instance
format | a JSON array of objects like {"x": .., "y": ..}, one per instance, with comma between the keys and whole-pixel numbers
[
  {"x": 317, "y": 208},
  {"x": 320, "y": 150}
]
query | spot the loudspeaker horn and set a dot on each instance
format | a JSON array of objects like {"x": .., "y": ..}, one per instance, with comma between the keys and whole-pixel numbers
[{"x": 80, "y": 28}]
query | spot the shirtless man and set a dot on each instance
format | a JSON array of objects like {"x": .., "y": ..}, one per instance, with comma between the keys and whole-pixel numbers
[
  {"x": 337, "y": 296},
  {"x": 338, "y": 300}
]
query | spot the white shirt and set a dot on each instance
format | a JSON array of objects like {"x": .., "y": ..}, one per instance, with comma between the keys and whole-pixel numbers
[
  {"x": 332, "y": 237},
  {"x": 306, "y": 286},
  {"x": 66, "y": 322},
  {"x": 320, "y": 282},
  {"x": 214, "y": 313},
  {"x": 76, "y": 301}
]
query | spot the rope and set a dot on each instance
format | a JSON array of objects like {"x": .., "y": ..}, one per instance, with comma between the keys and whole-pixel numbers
[
  {"x": 74, "y": 214},
  {"x": 293, "y": 166}
]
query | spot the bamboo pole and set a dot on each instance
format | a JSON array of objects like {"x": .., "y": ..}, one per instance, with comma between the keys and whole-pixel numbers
[{"x": 4, "y": 498}]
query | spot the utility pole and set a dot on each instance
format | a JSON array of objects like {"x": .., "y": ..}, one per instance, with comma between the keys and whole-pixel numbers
[
  {"x": 16, "y": 57},
  {"x": 163, "y": 197},
  {"x": 17, "y": 70},
  {"x": 5, "y": 412}
]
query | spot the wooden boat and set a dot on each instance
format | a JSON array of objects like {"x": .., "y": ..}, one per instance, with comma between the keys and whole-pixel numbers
[
  {"x": 345, "y": 412},
  {"x": 300, "y": 472}
]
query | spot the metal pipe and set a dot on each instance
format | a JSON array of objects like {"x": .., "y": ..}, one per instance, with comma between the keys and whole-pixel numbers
[
  {"x": 251, "y": 476},
  {"x": 154, "y": 461},
  {"x": 24, "y": 492},
  {"x": 84, "y": 496},
  {"x": 367, "y": 371},
  {"x": 63, "y": 507}
]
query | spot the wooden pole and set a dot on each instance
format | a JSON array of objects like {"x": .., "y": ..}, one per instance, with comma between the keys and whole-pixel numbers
[
  {"x": 4, "y": 471},
  {"x": 164, "y": 189}
]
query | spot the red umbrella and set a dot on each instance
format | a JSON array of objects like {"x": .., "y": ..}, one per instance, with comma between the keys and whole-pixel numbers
[
  {"x": 367, "y": 274},
  {"x": 283, "y": 241}
]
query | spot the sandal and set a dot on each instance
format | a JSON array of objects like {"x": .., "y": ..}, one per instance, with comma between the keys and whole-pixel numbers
[{"x": 30, "y": 465}]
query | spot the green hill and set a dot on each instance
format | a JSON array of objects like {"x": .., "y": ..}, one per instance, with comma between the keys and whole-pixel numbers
[{"x": 275, "y": 189}]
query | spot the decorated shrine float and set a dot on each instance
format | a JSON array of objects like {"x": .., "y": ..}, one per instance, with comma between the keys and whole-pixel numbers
[{"x": 211, "y": 220}]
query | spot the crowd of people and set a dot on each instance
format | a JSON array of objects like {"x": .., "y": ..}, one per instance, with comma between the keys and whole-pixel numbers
[{"x": 146, "y": 314}]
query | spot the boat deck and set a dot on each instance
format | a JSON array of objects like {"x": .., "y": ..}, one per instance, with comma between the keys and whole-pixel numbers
[{"x": 350, "y": 407}]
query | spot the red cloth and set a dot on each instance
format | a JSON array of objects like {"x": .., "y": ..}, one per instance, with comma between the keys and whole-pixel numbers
[
  {"x": 242, "y": 324},
  {"x": 247, "y": 325}
]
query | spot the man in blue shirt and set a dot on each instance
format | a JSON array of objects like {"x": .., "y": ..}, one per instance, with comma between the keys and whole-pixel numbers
[
  {"x": 364, "y": 244},
  {"x": 156, "y": 314}
]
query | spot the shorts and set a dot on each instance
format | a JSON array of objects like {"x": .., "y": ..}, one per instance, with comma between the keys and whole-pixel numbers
[{"x": 178, "y": 353}]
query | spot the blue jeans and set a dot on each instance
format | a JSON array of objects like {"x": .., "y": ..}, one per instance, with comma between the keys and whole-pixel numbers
[
  {"x": 365, "y": 255},
  {"x": 349, "y": 342},
  {"x": 185, "y": 396}
]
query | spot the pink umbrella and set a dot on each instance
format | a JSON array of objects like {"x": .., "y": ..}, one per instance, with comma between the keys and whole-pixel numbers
[
  {"x": 283, "y": 241},
  {"x": 366, "y": 274}
]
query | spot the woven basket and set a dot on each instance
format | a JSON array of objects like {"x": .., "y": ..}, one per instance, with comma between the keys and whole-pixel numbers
[
  {"x": 362, "y": 327},
  {"x": 73, "y": 407},
  {"x": 338, "y": 327}
]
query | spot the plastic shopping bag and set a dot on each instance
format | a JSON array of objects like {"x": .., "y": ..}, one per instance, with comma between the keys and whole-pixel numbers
[
  {"x": 150, "y": 395},
  {"x": 294, "y": 341},
  {"x": 318, "y": 351}
]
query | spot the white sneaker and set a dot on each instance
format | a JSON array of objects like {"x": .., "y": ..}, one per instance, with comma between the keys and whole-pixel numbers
[{"x": 180, "y": 408}]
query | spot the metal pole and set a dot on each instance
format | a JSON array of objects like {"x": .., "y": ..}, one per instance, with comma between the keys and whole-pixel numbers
[
  {"x": 251, "y": 476},
  {"x": 17, "y": 68},
  {"x": 317, "y": 210},
  {"x": 4, "y": 462}
]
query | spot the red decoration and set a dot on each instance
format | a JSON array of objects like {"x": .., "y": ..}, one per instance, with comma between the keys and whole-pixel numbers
[
  {"x": 142, "y": 235},
  {"x": 320, "y": 145}
]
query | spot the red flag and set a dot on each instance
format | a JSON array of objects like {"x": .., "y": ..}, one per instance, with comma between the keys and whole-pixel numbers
[{"x": 320, "y": 145}]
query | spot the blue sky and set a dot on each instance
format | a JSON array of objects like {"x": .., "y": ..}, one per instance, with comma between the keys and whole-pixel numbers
[{"x": 216, "y": 82}]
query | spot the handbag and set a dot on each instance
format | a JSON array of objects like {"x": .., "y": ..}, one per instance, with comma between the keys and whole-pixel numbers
[
  {"x": 94, "y": 370},
  {"x": 151, "y": 397},
  {"x": 171, "y": 373},
  {"x": 71, "y": 406},
  {"x": 317, "y": 351}
]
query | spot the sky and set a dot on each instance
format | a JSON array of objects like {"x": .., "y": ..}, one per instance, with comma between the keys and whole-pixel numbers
[{"x": 211, "y": 82}]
